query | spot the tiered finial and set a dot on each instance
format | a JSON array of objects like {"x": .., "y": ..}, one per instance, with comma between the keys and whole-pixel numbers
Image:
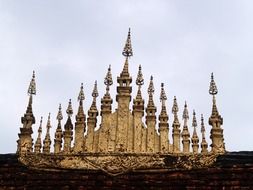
[
  {"x": 195, "y": 139},
  {"x": 47, "y": 141},
  {"x": 204, "y": 144},
  {"x": 185, "y": 114},
  {"x": 108, "y": 80},
  {"x": 139, "y": 79},
  {"x": 32, "y": 86},
  {"x": 185, "y": 133},
  {"x": 175, "y": 107},
  {"x": 81, "y": 96},
  {"x": 69, "y": 110},
  {"x": 38, "y": 141},
  {"x": 127, "y": 51},
  {"x": 213, "y": 88},
  {"x": 59, "y": 115},
  {"x": 95, "y": 90},
  {"x": 202, "y": 127},
  {"x": 151, "y": 88},
  {"x": 163, "y": 96}
]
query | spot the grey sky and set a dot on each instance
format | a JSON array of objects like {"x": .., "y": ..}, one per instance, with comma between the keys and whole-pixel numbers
[{"x": 178, "y": 42}]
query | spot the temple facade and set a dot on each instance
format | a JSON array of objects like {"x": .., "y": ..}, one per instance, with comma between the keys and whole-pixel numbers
[{"x": 134, "y": 126}]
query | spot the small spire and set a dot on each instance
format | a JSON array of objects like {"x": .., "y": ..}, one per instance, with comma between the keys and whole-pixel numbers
[
  {"x": 151, "y": 88},
  {"x": 81, "y": 96},
  {"x": 59, "y": 115},
  {"x": 95, "y": 90},
  {"x": 69, "y": 110},
  {"x": 213, "y": 88},
  {"x": 194, "y": 120},
  {"x": 38, "y": 144},
  {"x": 48, "y": 122},
  {"x": 127, "y": 51},
  {"x": 175, "y": 106},
  {"x": 139, "y": 79},
  {"x": 202, "y": 127},
  {"x": 204, "y": 144},
  {"x": 32, "y": 86},
  {"x": 185, "y": 112},
  {"x": 163, "y": 96},
  {"x": 108, "y": 80}
]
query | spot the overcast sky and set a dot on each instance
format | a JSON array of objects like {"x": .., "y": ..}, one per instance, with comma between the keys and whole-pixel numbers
[{"x": 178, "y": 42}]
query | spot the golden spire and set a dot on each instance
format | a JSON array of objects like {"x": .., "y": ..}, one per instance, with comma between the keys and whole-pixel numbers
[
  {"x": 31, "y": 91},
  {"x": 69, "y": 110},
  {"x": 195, "y": 138},
  {"x": 108, "y": 80},
  {"x": 47, "y": 140},
  {"x": 139, "y": 82},
  {"x": 81, "y": 97},
  {"x": 151, "y": 91},
  {"x": 127, "y": 51},
  {"x": 38, "y": 141},
  {"x": 185, "y": 133},
  {"x": 204, "y": 144},
  {"x": 94, "y": 95},
  {"x": 213, "y": 91},
  {"x": 58, "y": 132}
]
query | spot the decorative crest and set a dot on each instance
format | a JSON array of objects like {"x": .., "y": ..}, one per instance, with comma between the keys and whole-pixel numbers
[
  {"x": 213, "y": 88},
  {"x": 95, "y": 90},
  {"x": 59, "y": 115},
  {"x": 185, "y": 112},
  {"x": 175, "y": 106},
  {"x": 127, "y": 51},
  {"x": 163, "y": 96},
  {"x": 81, "y": 96},
  {"x": 69, "y": 110},
  {"x": 32, "y": 86},
  {"x": 151, "y": 88},
  {"x": 139, "y": 79}
]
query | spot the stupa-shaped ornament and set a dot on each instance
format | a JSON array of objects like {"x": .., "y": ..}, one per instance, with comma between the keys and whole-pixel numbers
[
  {"x": 185, "y": 133},
  {"x": 58, "y": 133},
  {"x": 163, "y": 123},
  {"x": 47, "y": 140},
  {"x": 204, "y": 144},
  {"x": 175, "y": 128},
  {"x": 195, "y": 138},
  {"x": 38, "y": 144},
  {"x": 215, "y": 120},
  {"x": 25, "y": 141}
]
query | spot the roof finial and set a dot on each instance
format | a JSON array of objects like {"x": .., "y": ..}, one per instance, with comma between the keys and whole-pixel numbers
[
  {"x": 81, "y": 96},
  {"x": 59, "y": 115},
  {"x": 95, "y": 90},
  {"x": 163, "y": 96},
  {"x": 108, "y": 80},
  {"x": 213, "y": 91},
  {"x": 38, "y": 144},
  {"x": 204, "y": 144},
  {"x": 175, "y": 107},
  {"x": 213, "y": 88},
  {"x": 127, "y": 51},
  {"x": 69, "y": 110},
  {"x": 194, "y": 120},
  {"x": 185, "y": 114},
  {"x": 151, "y": 88},
  {"x": 195, "y": 139},
  {"x": 32, "y": 86},
  {"x": 139, "y": 79}
]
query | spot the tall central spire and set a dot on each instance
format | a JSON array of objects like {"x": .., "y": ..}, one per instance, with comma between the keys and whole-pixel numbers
[{"x": 127, "y": 51}]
